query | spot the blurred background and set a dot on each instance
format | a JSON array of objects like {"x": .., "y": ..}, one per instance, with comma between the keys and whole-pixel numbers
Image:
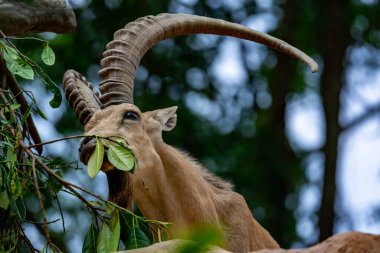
[{"x": 302, "y": 148}]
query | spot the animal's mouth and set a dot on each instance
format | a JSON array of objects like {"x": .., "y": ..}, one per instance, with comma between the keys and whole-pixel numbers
[
  {"x": 116, "y": 155},
  {"x": 106, "y": 166},
  {"x": 86, "y": 152}
]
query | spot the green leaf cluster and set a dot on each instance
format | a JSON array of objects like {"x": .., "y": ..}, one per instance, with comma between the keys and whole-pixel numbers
[
  {"x": 118, "y": 154},
  {"x": 21, "y": 65},
  {"x": 16, "y": 173},
  {"x": 124, "y": 230}
]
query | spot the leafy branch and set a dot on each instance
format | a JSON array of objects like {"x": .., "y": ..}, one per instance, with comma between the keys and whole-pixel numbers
[
  {"x": 26, "y": 175},
  {"x": 21, "y": 65}
]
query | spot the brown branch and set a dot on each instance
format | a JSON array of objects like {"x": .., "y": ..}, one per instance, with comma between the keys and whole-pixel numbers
[
  {"x": 45, "y": 226},
  {"x": 56, "y": 140},
  {"x": 17, "y": 92},
  {"x": 18, "y": 17}
]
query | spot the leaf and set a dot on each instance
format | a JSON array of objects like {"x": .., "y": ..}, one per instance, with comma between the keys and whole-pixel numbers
[
  {"x": 90, "y": 240},
  {"x": 17, "y": 65},
  {"x": 4, "y": 200},
  {"x": 16, "y": 187},
  {"x": 125, "y": 224},
  {"x": 56, "y": 101},
  {"x": 103, "y": 239},
  {"x": 41, "y": 113},
  {"x": 57, "y": 186},
  {"x": 18, "y": 208},
  {"x": 201, "y": 238},
  {"x": 96, "y": 160},
  {"x": 120, "y": 157},
  {"x": 11, "y": 157},
  {"x": 137, "y": 238},
  {"x": 48, "y": 56},
  {"x": 114, "y": 226},
  {"x": 36, "y": 108},
  {"x": 26, "y": 114},
  {"x": 13, "y": 107}
]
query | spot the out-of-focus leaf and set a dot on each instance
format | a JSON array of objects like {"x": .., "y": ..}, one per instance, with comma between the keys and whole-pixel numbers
[
  {"x": 18, "y": 208},
  {"x": 11, "y": 157},
  {"x": 96, "y": 159},
  {"x": 13, "y": 107},
  {"x": 121, "y": 157},
  {"x": 4, "y": 200},
  {"x": 201, "y": 239},
  {"x": 26, "y": 114},
  {"x": 55, "y": 183},
  {"x": 48, "y": 56},
  {"x": 90, "y": 240},
  {"x": 16, "y": 187}
]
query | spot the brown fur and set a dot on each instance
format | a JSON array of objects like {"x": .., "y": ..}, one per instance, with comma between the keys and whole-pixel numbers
[{"x": 181, "y": 191}]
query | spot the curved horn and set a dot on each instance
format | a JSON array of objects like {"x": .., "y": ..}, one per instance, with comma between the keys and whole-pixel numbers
[
  {"x": 124, "y": 53},
  {"x": 80, "y": 95}
]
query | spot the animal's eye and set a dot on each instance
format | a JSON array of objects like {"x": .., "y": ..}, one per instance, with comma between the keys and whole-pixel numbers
[{"x": 131, "y": 116}]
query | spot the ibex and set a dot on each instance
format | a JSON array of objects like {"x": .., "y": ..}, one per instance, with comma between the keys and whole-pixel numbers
[{"x": 180, "y": 191}]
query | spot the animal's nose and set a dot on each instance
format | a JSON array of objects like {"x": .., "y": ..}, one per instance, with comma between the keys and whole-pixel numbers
[
  {"x": 86, "y": 148},
  {"x": 83, "y": 142}
]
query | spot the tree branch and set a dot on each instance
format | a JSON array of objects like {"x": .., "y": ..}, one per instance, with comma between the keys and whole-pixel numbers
[
  {"x": 18, "y": 17},
  {"x": 11, "y": 83},
  {"x": 40, "y": 199},
  {"x": 363, "y": 117},
  {"x": 63, "y": 182}
]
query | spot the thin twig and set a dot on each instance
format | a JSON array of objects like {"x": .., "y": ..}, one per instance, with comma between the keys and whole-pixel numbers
[
  {"x": 40, "y": 199},
  {"x": 109, "y": 138},
  {"x": 41, "y": 223},
  {"x": 60, "y": 208},
  {"x": 56, "y": 140},
  {"x": 24, "y": 237},
  {"x": 361, "y": 118},
  {"x": 66, "y": 184},
  {"x": 15, "y": 89}
]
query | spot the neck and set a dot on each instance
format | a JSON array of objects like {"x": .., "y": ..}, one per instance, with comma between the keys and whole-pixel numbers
[
  {"x": 177, "y": 191},
  {"x": 120, "y": 188}
]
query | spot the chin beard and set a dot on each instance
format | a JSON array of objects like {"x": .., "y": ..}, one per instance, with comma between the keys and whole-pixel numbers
[{"x": 120, "y": 188}]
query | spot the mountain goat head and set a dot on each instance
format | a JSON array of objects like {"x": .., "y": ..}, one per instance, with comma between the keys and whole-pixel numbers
[{"x": 180, "y": 190}]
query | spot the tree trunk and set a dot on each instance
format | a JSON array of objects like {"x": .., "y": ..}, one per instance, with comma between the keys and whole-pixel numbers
[
  {"x": 333, "y": 39},
  {"x": 280, "y": 159}
]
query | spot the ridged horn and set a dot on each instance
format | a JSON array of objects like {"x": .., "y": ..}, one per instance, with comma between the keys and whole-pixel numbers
[
  {"x": 123, "y": 54},
  {"x": 79, "y": 93}
]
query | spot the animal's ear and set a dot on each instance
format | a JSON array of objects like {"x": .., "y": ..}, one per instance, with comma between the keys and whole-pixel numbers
[{"x": 167, "y": 117}]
